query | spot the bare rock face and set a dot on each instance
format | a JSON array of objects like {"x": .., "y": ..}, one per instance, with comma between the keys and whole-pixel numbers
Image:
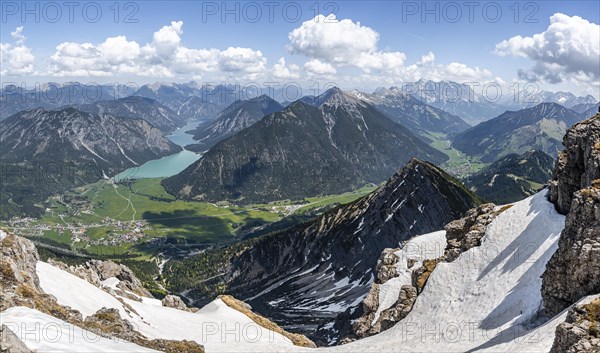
[
  {"x": 17, "y": 261},
  {"x": 20, "y": 283},
  {"x": 580, "y": 333},
  {"x": 10, "y": 343},
  {"x": 574, "y": 270},
  {"x": 386, "y": 265},
  {"x": 578, "y": 165},
  {"x": 173, "y": 301},
  {"x": 466, "y": 233}
]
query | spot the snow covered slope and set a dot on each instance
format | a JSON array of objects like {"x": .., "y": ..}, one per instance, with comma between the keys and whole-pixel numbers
[
  {"x": 489, "y": 298},
  {"x": 45, "y": 334},
  {"x": 418, "y": 249},
  {"x": 216, "y": 326}
]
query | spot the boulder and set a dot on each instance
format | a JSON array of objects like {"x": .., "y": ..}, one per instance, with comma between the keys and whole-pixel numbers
[{"x": 173, "y": 301}]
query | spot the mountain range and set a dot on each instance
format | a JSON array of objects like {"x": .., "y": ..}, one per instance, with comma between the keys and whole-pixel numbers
[
  {"x": 412, "y": 113},
  {"x": 541, "y": 127},
  {"x": 468, "y": 102},
  {"x": 193, "y": 100},
  {"x": 304, "y": 150},
  {"x": 63, "y": 148},
  {"x": 134, "y": 107}
]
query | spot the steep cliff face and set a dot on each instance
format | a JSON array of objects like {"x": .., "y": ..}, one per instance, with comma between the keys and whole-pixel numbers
[
  {"x": 574, "y": 270},
  {"x": 578, "y": 165}
]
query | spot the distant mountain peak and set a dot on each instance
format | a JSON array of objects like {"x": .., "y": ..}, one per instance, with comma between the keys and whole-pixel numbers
[
  {"x": 262, "y": 98},
  {"x": 335, "y": 96}
]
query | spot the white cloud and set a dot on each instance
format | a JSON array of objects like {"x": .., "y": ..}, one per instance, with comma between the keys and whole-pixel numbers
[
  {"x": 18, "y": 36},
  {"x": 427, "y": 59},
  {"x": 16, "y": 59},
  {"x": 317, "y": 67},
  {"x": 332, "y": 40},
  {"x": 331, "y": 43},
  {"x": 569, "y": 49},
  {"x": 342, "y": 42},
  {"x": 282, "y": 71},
  {"x": 241, "y": 60},
  {"x": 164, "y": 56}
]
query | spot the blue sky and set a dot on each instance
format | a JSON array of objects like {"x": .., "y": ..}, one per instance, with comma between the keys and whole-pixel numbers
[{"x": 393, "y": 42}]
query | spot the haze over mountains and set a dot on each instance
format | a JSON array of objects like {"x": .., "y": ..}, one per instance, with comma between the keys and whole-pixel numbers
[{"x": 302, "y": 151}]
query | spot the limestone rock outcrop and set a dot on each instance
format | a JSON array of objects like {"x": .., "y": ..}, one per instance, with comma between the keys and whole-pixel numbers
[
  {"x": 10, "y": 343},
  {"x": 466, "y": 233},
  {"x": 96, "y": 271},
  {"x": 173, "y": 301},
  {"x": 578, "y": 165},
  {"x": 573, "y": 272},
  {"x": 580, "y": 333}
]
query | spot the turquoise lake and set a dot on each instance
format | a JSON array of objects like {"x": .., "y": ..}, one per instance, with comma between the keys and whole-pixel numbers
[{"x": 169, "y": 165}]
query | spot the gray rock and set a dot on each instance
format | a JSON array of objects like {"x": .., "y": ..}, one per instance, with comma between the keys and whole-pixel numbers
[
  {"x": 579, "y": 333},
  {"x": 578, "y": 165},
  {"x": 96, "y": 271},
  {"x": 386, "y": 265},
  {"x": 173, "y": 301},
  {"x": 574, "y": 270},
  {"x": 10, "y": 343},
  {"x": 466, "y": 233}
]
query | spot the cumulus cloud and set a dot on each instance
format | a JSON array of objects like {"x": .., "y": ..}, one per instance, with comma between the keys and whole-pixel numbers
[
  {"x": 332, "y": 40},
  {"x": 16, "y": 59},
  {"x": 18, "y": 35},
  {"x": 342, "y": 42},
  {"x": 282, "y": 71},
  {"x": 568, "y": 49},
  {"x": 331, "y": 43},
  {"x": 427, "y": 68},
  {"x": 317, "y": 67},
  {"x": 164, "y": 56}
]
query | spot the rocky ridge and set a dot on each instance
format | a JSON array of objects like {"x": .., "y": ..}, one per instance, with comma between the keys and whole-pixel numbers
[
  {"x": 574, "y": 270},
  {"x": 21, "y": 288},
  {"x": 96, "y": 271},
  {"x": 578, "y": 164}
]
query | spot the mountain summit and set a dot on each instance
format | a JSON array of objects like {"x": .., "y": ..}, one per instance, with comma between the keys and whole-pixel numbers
[{"x": 341, "y": 144}]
